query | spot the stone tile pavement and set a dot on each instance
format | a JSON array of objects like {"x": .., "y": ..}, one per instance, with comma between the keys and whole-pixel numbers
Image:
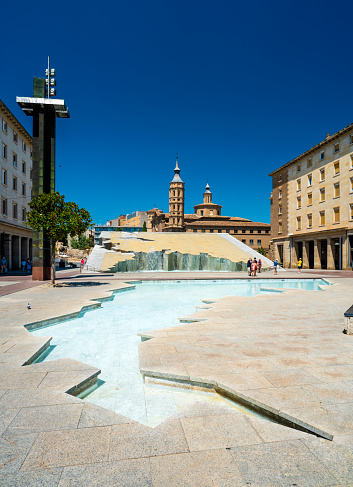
[{"x": 285, "y": 352}]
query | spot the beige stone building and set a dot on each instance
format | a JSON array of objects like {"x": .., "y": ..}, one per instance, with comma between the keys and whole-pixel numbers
[
  {"x": 206, "y": 219},
  {"x": 312, "y": 205},
  {"x": 15, "y": 189}
]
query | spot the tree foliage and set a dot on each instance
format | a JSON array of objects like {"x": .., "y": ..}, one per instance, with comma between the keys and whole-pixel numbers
[
  {"x": 262, "y": 251},
  {"x": 81, "y": 242},
  {"x": 58, "y": 217},
  {"x": 144, "y": 227}
]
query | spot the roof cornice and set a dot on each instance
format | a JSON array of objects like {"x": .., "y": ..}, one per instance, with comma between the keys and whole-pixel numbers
[
  {"x": 315, "y": 148},
  {"x": 11, "y": 117}
]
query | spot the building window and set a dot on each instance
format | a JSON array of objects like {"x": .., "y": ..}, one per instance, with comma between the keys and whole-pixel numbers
[
  {"x": 310, "y": 180},
  {"x": 298, "y": 167},
  {"x": 14, "y": 211},
  {"x": 24, "y": 146},
  {"x": 336, "y": 190},
  {"x": 337, "y": 147},
  {"x": 195, "y": 230},
  {"x": 336, "y": 215},
  {"x": 31, "y": 173},
  {"x": 310, "y": 220},
  {"x": 322, "y": 218},
  {"x": 251, "y": 242},
  {"x": 15, "y": 137},
  {"x": 259, "y": 231},
  {"x": 299, "y": 185},
  {"x": 4, "y": 177},
  {"x": 322, "y": 195},
  {"x": 243, "y": 231},
  {"x": 259, "y": 243},
  {"x": 280, "y": 178},
  {"x": 351, "y": 187},
  {"x": 336, "y": 168},
  {"x": 203, "y": 230},
  {"x": 24, "y": 214},
  {"x": 211, "y": 230},
  {"x": 4, "y": 126},
  {"x": 23, "y": 189},
  {"x": 23, "y": 167},
  {"x": 14, "y": 183},
  {"x": 201, "y": 212},
  {"x": 251, "y": 231},
  {"x": 322, "y": 155},
  {"x": 4, "y": 151},
  {"x": 4, "y": 206},
  {"x": 235, "y": 231},
  {"x": 351, "y": 211},
  {"x": 280, "y": 194},
  {"x": 299, "y": 202},
  {"x": 322, "y": 174},
  {"x": 351, "y": 139},
  {"x": 280, "y": 209},
  {"x": 14, "y": 159},
  {"x": 279, "y": 227},
  {"x": 244, "y": 241},
  {"x": 310, "y": 162},
  {"x": 267, "y": 231},
  {"x": 310, "y": 199}
]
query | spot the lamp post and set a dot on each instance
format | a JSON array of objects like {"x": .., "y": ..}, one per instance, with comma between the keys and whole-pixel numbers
[{"x": 44, "y": 111}]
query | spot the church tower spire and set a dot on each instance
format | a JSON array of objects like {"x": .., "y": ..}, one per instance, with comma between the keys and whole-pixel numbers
[
  {"x": 176, "y": 202},
  {"x": 207, "y": 196}
]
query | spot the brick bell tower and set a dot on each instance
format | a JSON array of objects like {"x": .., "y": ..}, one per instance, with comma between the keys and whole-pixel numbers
[{"x": 176, "y": 202}]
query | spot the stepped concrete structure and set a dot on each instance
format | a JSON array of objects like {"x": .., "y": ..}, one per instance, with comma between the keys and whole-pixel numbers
[{"x": 133, "y": 252}]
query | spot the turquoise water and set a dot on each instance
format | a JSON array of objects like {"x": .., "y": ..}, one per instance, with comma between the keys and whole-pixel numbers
[{"x": 107, "y": 338}]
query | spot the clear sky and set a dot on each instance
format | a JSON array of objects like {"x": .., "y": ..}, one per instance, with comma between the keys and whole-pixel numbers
[{"x": 237, "y": 88}]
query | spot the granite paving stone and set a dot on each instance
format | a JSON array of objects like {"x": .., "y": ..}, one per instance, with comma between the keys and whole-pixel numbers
[
  {"x": 13, "y": 451},
  {"x": 93, "y": 415},
  {"x": 283, "y": 465},
  {"x": 126, "y": 473},
  {"x": 215, "y": 468},
  {"x": 45, "y": 478},
  {"x": 22, "y": 398},
  {"x": 136, "y": 440},
  {"x": 220, "y": 431},
  {"x": 68, "y": 447},
  {"x": 45, "y": 418}
]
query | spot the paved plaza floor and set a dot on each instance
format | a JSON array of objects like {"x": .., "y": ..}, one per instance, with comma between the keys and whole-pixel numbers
[{"x": 282, "y": 353}]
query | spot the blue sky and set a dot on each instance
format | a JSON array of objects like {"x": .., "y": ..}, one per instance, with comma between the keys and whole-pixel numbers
[{"x": 237, "y": 88}]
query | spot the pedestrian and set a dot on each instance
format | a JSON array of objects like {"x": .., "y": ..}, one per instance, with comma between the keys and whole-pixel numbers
[
  {"x": 3, "y": 265},
  {"x": 248, "y": 265},
  {"x": 23, "y": 264},
  {"x": 29, "y": 265},
  {"x": 259, "y": 266},
  {"x": 253, "y": 268},
  {"x": 275, "y": 265},
  {"x": 300, "y": 265},
  {"x": 82, "y": 264}
]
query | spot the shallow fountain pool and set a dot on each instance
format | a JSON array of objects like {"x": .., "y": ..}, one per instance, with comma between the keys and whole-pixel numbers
[{"x": 107, "y": 339}]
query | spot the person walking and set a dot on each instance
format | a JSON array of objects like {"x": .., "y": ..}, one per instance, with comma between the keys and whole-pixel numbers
[
  {"x": 300, "y": 265},
  {"x": 259, "y": 266},
  {"x": 23, "y": 264},
  {"x": 82, "y": 264},
  {"x": 3, "y": 265},
  {"x": 275, "y": 265},
  {"x": 248, "y": 265},
  {"x": 28, "y": 265}
]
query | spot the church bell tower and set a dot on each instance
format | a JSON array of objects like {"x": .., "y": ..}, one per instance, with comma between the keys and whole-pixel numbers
[{"x": 176, "y": 202}]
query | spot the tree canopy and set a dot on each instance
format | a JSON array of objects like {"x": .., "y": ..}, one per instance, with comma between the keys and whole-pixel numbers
[{"x": 58, "y": 217}]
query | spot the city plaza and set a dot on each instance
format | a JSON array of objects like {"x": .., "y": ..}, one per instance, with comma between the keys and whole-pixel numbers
[{"x": 283, "y": 353}]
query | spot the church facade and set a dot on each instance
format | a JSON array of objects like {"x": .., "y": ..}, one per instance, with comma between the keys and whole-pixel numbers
[{"x": 206, "y": 219}]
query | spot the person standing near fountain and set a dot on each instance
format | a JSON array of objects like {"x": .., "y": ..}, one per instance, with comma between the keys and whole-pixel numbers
[{"x": 248, "y": 265}]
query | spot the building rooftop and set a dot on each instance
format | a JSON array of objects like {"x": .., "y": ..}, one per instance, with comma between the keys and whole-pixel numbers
[
  {"x": 328, "y": 139},
  {"x": 11, "y": 117}
]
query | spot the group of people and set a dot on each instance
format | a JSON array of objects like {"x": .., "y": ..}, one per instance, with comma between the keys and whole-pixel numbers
[
  {"x": 26, "y": 265},
  {"x": 253, "y": 266}
]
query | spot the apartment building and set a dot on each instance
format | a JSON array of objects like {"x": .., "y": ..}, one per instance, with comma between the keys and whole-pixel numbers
[
  {"x": 15, "y": 189},
  {"x": 312, "y": 205}
]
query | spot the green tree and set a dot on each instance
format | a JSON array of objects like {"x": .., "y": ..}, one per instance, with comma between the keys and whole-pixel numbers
[
  {"x": 58, "y": 218},
  {"x": 81, "y": 242},
  {"x": 144, "y": 227},
  {"x": 262, "y": 251}
]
